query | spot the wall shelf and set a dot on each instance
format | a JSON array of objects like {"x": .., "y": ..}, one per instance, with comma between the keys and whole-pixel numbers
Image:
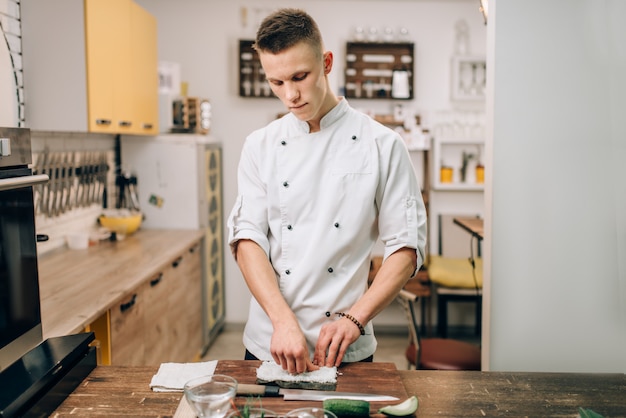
[
  {"x": 448, "y": 152},
  {"x": 251, "y": 75},
  {"x": 379, "y": 70},
  {"x": 468, "y": 78}
]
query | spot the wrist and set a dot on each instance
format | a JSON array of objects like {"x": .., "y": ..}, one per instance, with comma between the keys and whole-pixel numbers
[{"x": 354, "y": 320}]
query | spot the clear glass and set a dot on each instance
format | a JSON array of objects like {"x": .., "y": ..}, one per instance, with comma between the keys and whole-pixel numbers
[
  {"x": 210, "y": 396},
  {"x": 310, "y": 413},
  {"x": 245, "y": 412}
]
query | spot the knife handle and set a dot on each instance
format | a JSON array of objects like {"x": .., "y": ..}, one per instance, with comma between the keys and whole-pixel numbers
[{"x": 261, "y": 390}]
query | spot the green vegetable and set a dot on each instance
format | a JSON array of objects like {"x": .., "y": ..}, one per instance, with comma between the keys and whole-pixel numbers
[
  {"x": 402, "y": 409},
  {"x": 588, "y": 413},
  {"x": 348, "y": 407}
]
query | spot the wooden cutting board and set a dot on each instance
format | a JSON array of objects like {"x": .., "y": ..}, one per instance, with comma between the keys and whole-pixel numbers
[{"x": 376, "y": 378}]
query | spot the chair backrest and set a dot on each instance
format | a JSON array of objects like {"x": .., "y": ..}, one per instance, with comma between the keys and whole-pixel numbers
[{"x": 407, "y": 300}]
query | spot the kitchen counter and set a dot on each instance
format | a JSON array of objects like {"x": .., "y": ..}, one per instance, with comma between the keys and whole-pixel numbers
[
  {"x": 110, "y": 391},
  {"x": 78, "y": 286}
]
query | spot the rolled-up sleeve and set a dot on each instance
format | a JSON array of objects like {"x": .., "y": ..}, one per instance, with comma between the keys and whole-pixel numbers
[
  {"x": 248, "y": 218},
  {"x": 402, "y": 216}
]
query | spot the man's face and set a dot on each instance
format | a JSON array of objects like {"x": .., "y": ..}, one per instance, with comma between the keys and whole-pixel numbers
[{"x": 297, "y": 77}]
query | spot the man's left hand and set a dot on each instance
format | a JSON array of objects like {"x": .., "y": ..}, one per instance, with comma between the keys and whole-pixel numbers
[{"x": 333, "y": 342}]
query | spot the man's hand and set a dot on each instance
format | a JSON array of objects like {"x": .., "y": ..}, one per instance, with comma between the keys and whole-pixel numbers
[
  {"x": 288, "y": 346},
  {"x": 289, "y": 350},
  {"x": 333, "y": 342}
]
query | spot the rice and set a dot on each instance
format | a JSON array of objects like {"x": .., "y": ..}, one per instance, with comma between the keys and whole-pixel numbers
[{"x": 325, "y": 378}]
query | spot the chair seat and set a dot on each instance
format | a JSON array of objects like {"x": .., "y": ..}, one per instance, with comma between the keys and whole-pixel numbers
[
  {"x": 455, "y": 272},
  {"x": 445, "y": 354}
]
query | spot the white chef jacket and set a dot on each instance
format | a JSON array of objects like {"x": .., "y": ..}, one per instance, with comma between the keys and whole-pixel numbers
[{"x": 316, "y": 203}]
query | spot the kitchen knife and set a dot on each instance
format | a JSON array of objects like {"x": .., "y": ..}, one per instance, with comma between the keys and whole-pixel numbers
[{"x": 307, "y": 395}]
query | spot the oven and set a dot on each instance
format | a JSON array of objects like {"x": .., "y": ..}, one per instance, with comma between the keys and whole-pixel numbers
[{"x": 20, "y": 317}]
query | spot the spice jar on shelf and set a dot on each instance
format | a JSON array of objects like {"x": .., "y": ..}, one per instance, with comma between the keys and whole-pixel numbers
[
  {"x": 480, "y": 173},
  {"x": 445, "y": 174}
]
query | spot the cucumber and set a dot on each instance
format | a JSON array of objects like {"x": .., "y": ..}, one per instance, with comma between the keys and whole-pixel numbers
[
  {"x": 348, "y": 407},
  {"x": 402, "y": 409}
]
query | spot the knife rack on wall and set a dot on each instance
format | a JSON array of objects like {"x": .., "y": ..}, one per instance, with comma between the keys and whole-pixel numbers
[{"x": 78, "y": 179}]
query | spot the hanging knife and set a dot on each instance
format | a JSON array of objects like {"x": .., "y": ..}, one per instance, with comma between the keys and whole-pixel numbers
[{"x": 307, "y": 395}]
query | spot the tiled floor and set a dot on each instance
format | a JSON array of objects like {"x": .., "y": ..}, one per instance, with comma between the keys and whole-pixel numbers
[{"x": 391, "y": 346}]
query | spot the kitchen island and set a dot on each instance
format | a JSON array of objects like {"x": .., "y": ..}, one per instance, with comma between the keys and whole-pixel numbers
[
  {"x": 110, "y": 391},
  {"x": 128, "y": 292}
]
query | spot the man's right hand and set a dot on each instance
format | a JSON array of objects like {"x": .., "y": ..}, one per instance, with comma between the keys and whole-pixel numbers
[
  {"x": 289, "y": 349},
  {"x": 288, "y": 346}
]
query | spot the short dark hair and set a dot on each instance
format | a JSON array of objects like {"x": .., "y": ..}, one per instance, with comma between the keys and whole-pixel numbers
[{"x": 285, "y": 28}]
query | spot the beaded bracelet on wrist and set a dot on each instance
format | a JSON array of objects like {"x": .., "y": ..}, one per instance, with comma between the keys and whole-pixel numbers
[{"x": 353, "y": 319}]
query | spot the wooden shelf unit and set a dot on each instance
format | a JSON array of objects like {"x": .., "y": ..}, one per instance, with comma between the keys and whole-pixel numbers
[
  {"x": 370, "y": 68},
  {"x": 251, "y": 75}
]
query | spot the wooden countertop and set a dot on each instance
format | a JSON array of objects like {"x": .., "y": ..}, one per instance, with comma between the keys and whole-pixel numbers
[
  {"x": 515, "y": 394},
  {"x": 113, "y": 390},
  {"x": 381, "y": 378},
  {"x": 78, "y": 286}
]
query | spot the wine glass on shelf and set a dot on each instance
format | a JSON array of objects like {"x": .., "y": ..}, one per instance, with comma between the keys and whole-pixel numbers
[
  {"x": 466, "y": 78},
  {"x": 480, "y": 78}
]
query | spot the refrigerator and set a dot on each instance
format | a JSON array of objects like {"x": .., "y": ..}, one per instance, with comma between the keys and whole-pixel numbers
[{"x": 179, "y": 186}]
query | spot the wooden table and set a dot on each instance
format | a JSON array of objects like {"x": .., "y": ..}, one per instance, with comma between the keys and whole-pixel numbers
[
  {"x": 472, "y": 225},
  {"x": 111, "y": 391}
]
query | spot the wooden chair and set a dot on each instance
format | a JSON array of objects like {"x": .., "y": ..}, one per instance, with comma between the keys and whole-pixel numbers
[
  {"x": 454, "y": 278},
  {"x": 419, "y": 285},
  {"x": 435, "y": 353}
]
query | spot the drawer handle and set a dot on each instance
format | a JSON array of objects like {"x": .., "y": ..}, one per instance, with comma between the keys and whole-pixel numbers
[
  {"x": 177, "y": 262},
  {"x": 126, "y": 306},
  {"x": 125, "y": 123},
  {"x": 103, "y": 121},
  {"x": 156, "y": 280},
  {"x": 147, "y": 126}
]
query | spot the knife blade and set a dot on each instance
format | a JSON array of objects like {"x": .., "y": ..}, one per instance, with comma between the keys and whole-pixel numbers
[{"x": 307, "y": 394}]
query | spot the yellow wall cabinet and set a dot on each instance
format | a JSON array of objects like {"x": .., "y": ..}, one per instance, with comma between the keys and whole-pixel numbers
[{"x": 95, "y": 69}]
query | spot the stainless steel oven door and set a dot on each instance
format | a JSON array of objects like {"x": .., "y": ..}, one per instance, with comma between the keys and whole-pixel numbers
[{"x": 20, "y": 317}]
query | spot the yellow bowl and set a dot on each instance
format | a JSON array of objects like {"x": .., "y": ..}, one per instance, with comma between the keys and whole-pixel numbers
[{"x": 124, "y": 225}]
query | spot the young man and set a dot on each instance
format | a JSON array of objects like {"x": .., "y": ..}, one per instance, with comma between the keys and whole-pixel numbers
[{"x": 317, "y": 188}]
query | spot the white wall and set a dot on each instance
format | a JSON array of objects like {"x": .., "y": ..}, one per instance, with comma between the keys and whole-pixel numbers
[
  {"x": 203, "y": 37},
  {"x": 10, "y": 64},
  {"x": 556, "y": 227}
]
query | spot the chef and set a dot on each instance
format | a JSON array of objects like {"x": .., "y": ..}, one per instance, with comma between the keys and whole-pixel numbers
[{"x": 316, "y": 189}]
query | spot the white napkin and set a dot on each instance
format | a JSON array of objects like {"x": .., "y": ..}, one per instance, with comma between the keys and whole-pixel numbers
[{"x": 171, "y": 377}]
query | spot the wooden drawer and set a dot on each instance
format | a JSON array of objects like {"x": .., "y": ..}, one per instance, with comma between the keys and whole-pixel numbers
[
  {"x": 156, "y": 317},
  {"x": 193, "y": 301},
  {"x": 161, "y": 320},
  {"x": 127, "y": 330},
  {"x": 185, "y": 303}
]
